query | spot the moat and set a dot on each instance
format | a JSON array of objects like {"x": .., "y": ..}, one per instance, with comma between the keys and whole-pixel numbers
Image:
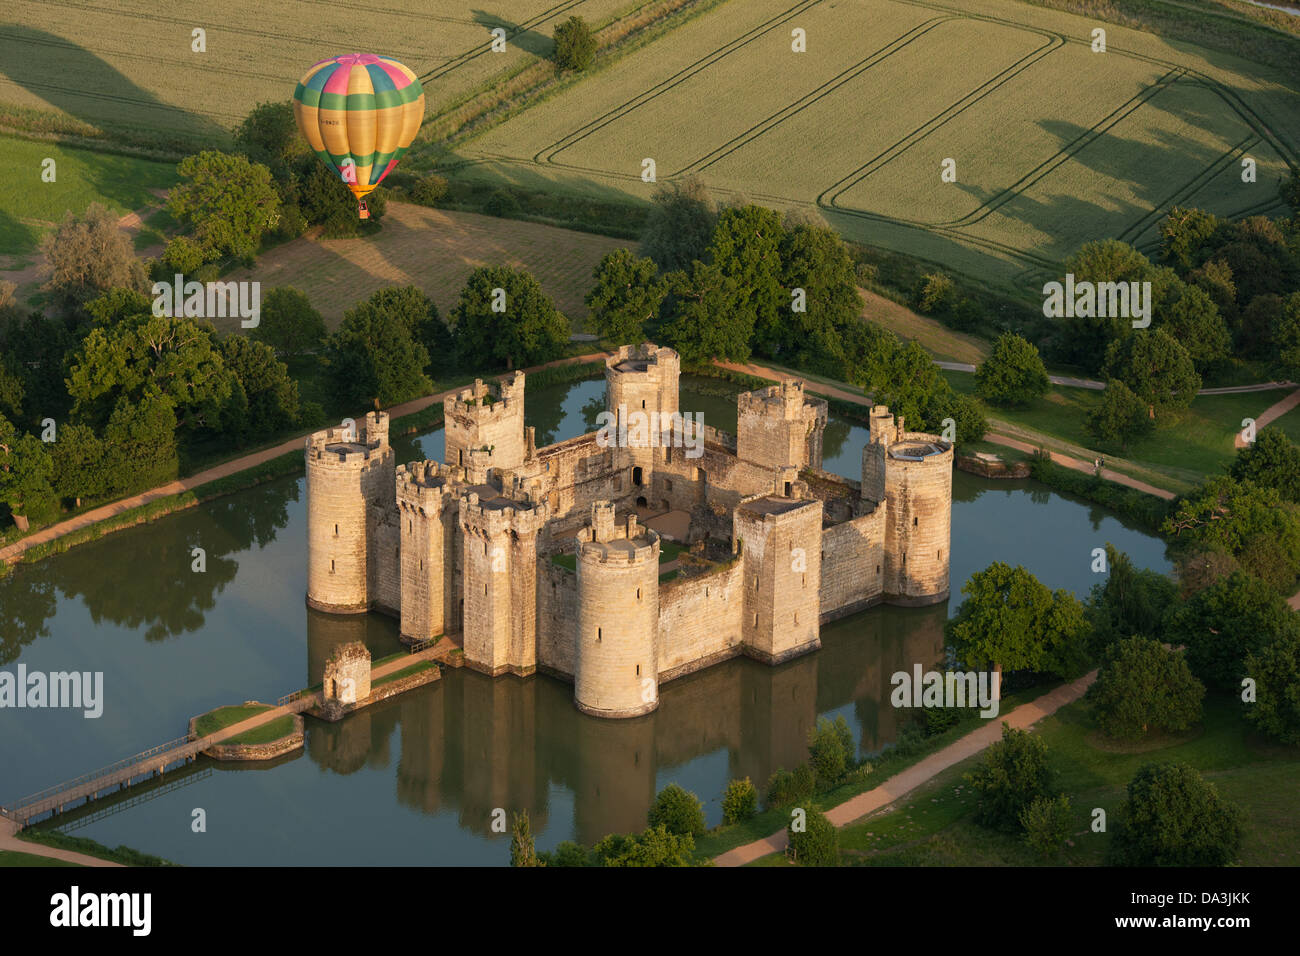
[{"x": 419, "y": 776}]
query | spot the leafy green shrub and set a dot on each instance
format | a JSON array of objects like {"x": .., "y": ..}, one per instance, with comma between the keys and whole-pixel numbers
[
  {"x": 831, "y": 750},
  {"x": 679, "y": 810},
  {"x": 1140, "y": 687},
  {"x": 1047, "y": 824},
  {"x": 817, "y": 844},
  {"x": 182, "y": 255},
  {"x": 785, "y": 787},
  {"x": 739, "y": 801},
  {"x": 429, "y": 189},
  {"x": 1013, "y": 774},
  {"x": 1173, "y": 817},
  {"x": 501, "y": 204},
  {"x": 575, "y": 44},
  {"x": 933, "y": 293}
]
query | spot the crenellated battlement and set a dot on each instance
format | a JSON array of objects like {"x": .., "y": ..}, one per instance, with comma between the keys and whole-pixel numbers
[
  {"x": 468, "y": 547},
  {"x": 490, "y": 517},
  {"x": 484, "y": 402}
]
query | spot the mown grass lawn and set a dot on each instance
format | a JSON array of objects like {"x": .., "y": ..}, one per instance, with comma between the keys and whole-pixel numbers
[
  {"x": 223, "y": 717},
  {"x": 14, "y": 858},
  {"x": 934, "y": 826},
  {"x": 30, "y": 206}
]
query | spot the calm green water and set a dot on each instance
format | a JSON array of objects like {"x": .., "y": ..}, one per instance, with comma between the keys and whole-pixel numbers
[{"x": 420, "y": 776}]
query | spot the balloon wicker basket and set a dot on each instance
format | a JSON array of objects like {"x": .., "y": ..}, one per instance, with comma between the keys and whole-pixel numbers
[{"x": 363, "y": 211}]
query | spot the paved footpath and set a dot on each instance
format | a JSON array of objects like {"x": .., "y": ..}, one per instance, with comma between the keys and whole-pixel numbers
[
  {"x": 235, "y": 465},
  {"x": 908, "y": 780}
]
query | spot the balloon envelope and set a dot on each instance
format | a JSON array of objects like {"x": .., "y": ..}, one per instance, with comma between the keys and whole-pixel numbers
[{"x": 359, "y": 113}]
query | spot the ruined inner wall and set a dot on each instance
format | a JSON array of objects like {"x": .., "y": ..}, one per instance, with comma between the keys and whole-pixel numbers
[{"x": 701, "y": 620}]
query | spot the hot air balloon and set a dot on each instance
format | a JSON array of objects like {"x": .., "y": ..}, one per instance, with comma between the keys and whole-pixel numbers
[{"x": 359, "y": 112}]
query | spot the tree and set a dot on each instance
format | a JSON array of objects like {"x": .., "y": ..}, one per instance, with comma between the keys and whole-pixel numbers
[
  {"x": 679, "y": 225},
  {"x": 1192, "y": 319},
  {"x": 264, "y": 399},
  {"x": 1184, "y": 234},
  {"x": 1221, "y": 625},
  {"x": 269, "y": 135},
  {"x": 1254, "y": 525},
  {"x": 325, "y": 200},
  {"x": 697, "y": 319},
  {"x": 1155, "y": 367},
  {"x": 655, "y": 846},
  {"x": 289, "y": 323},
  {"x": 1011, "y": 620},
  {"x": 1286, "y": 335},
  {"x": 34, "y": 349},
  {"x": 817, "y": 844},
  {"x": 933, "y": 294},
  {"x": 1130, "y": 601},
  {"x": 626, "y": 296},
  {"x": 965, "y": 412},
  {"x": 785, "y": 787},
  {"x": 1256, "y": 250},
  {"x": 1047, "y": 822},
  {"x": 229, "y": 202},
  {"x": 831, "y": 750},
  {"x": 567, "y": 853},
  {"x": 182, "y": 256},
  {"x": 1258, "y": 323},
  {"x": 86, "y": 255},
  {"x": 522, "y": 851},
  {"x": 429, "y": 189},
  {"x": 25, "y": 472},
  {"x": 1271, "y": 461},
  {"x": 739, "y": 801},
  {"x": 176, "y": 358},
  {"x": 1215, "y": 279},
  {"x": 1012, "y": 775},
  {"x": 1142, "y": 687},
  {"x": 678, "y": 810},
  {"x": 575, "y": 44},
  {"x": 374, "y": 359},
  {"x": 420, "y": 315},
  {"x": 528, "y": 331},
  {"x": 78, "y": 456},
  {"x": 1172, "y": 817},
  {"x": 1275, "y": 668},
  {"x": 1119, "y": 417},
  {"x": 1013, "y": 374},
  {"x": 1108, "y": 260},
  {"x": 815, "y": 259},
  {"x": 746, "y": 248},
  {"x": 140, "y": 444}
]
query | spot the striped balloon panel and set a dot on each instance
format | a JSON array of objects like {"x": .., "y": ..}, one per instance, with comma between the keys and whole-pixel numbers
[{"x": 359, "y": 113}]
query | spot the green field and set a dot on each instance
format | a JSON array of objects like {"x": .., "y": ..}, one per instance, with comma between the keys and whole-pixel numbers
[
  {"x": 126, "y": 67},
  {"x": 1054, "y": 144},
  {"x": 29, "y": 206}
]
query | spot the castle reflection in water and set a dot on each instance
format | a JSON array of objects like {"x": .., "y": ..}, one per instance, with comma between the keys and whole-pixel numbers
[{"x": 471, "y": 743}]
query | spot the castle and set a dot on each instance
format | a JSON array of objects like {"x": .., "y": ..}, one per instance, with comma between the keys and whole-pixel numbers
[{"x": 624, "y": 558}]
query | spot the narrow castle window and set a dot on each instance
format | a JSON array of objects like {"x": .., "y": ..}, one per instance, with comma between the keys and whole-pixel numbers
[
  {"x": 668, "y": 485},
  {"x": 756, "y": 582},
  {"x": 914, "y": 521},
  {"x": 877, "y": 569},
  {"x": 598, "y": 630},
  {"x": 805, "y": 579},
  {"x": 756, "y": 619},
  {"x": 796, "y": 617},
  {"x": 331, "y": 565},
  {"x": 638, "y": 594},
  {"x": 638, "y": 670},
  {"x": 643, "y": 403},
  {"x": 336, "y": 530}
]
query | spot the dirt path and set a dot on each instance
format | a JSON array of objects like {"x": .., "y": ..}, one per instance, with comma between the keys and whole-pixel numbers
[
  {"x": 235, "y": 465},
  {"x": 10, "y": 842},
  {"x": 1274, "y": 411},
  {"x": 1026, "y": 715}
]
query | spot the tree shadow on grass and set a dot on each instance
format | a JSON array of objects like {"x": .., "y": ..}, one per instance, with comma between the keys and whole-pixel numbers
[{"x": 526, "y": 39}]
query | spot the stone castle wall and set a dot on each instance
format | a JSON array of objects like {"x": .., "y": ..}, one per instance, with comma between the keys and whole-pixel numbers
[{"x": 467, "y": 547}]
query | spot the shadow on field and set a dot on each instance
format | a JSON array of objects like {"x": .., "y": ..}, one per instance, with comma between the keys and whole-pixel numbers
[
  {"x": 16, "y": 238},
  {"x": 530, "y": 41},
  {"x": 73, "y": 79}
]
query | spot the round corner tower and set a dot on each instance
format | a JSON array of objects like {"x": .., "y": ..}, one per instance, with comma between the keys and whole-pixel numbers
[
  {"x": 918, "y": 519},
  {"x": 617, "y": 645},
  {"x": 350, "y": 474}
]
